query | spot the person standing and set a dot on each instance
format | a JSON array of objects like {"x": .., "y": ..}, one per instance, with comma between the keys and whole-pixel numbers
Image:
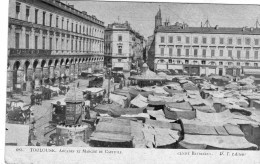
[{"x": 32, "y": 99}]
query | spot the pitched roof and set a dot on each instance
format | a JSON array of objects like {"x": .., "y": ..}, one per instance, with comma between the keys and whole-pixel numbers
[
  {"x": 208, "y": 30},
  {"x": 74, "y": 95}
]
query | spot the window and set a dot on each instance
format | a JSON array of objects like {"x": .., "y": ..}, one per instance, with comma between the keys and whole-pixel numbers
[
  {"x": 238, "y": 63},
  {"x": 162, "y": 51},
  {"x": 220, "y": 63},
  {"x": 119, "y": 60},
  {"x": 230, "y": 63},
  {"x": 36, "y": 16},
  {"x": 50, "y": 20},
  {"x": 204, "y": 40},
  {"x": 76, "y": 45},
  {"x": 72, "y": 27},
  {"x": 203, "y": 62},
  {"x": 17, "y": 40},
  {"x": 62, "y": 44},
  {"x": 204, "y": 53},
  {"x": 62, "y": 23},
  {"x": 79, "y": 28},
  {"x": 221, "y": 40},
  {"x": 221, "y": 52},
  {"x": 230, "y": 41},
  {"x": 179, "y": 38},
  {"x": 27, "y": 41},
  {"x": 195, "y": 52},
  {"x": 43, "y": 42},
  {"x": 67, "y": 45},
  {"x": 178, "y": 61},
  {"x": 247, "y": 64},
  {"x": 170, "y": 39},
  {"x": 255, "y": 64},
  {"x": 186, "y": 61},
  {"x": 170, "y": 60},
  {"x": 212, "y": 53},
  {"x": 170, "y": 51},
  {"x": 119, "y": 49},
  {"x": 256, "y": 55},
  {"x": 239, "y": 41},
  {"x": 230, "y": 53},
  {"x": 57, "y": 43},
  {"x": 187, "y": 52},
  {"x": 213, "y": 40},
  {"x": 195, "y": 40},
  {"x": 76, "y": 28},
  {"x": 256, "y": 41},
  {"x": 71, "y": 44},
  {"x": 120, "y": 38},
  {"x": 178, "y": 52},
  {"x": 162, "y": 39},
  {"x": 27, "y": 13},
  {"x": 50, "y": 42},
  {"x": 36, "y": 42},
  {"x": 67, "y": 25},
  {"x": 18, "y": 6},
  {"x": 79, "y": 45},
  {"x": 247, "y": 54},
  {"x": 187, "y": 40},
  {"x": 238, "y": 54},
  {"x": 57, "y": 21},
  {"x": 248, "y": 40},
  {"x": 43, "y": 18}
]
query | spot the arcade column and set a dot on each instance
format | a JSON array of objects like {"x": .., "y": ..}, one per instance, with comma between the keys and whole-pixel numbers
[
  {"x": 72, "y": 71},
  {"x": 29, "y": 81},
  {"x": 10, "y": 79}
]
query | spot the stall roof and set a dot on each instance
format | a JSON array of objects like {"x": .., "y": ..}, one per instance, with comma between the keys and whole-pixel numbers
[
  {"x": 74, "y": 95},
  {"x": 17, "y": 134},
  {"x": 93, "y": 90}
]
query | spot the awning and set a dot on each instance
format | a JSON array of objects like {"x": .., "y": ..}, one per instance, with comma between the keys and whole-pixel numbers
[{"x": 252, "y": 71}]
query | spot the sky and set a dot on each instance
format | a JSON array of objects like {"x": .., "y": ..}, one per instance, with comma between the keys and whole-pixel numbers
[{"x": 141, "y": 14}]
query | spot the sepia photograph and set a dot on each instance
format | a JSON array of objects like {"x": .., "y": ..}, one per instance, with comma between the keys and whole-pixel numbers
[{"x": 101, "y": 76}]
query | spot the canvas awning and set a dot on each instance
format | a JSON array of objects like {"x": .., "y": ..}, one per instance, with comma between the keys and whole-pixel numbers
[{"x": 252, "y": 71}]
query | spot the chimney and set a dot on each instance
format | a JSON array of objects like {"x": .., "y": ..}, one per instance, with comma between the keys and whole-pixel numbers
[
  {"x": 216, "y": 27},
  {"x": 251, "y": 28},
  {"x": 85, "y": 13},
  {"x": 244, "y": 29},
  {"x": 72, "y": 6}
]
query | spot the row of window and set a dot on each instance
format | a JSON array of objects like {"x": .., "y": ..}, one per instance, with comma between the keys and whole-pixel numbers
[
  {"x": 212, "y": 53},
  {"x": 203, "y": 62},
  {"x": 204, "y": 40},
  {"x": 78, "y": 28},
  {"x": 77, "y": 46},
  {"x": 119, "y": 37}
]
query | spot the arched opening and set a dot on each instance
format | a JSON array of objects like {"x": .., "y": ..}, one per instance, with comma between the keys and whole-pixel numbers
[
  {"x": 26, "y": 65},
  {"x": 15, "y": 69}
]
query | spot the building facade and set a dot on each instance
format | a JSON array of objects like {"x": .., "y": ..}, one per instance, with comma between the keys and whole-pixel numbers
[
  {"x": 123, "y": 46},
  {"x": 205, "y": 50},
  {"x": 51, "y": 42}
]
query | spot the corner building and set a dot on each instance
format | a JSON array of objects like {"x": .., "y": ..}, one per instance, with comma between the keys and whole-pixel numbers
[
  {"x": 205, "y": 50},
  {"x": 51, "y": 42},
  {"x": 123, "y": 46}
]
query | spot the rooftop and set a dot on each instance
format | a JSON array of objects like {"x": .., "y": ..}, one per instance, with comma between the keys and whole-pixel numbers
[
  {"x": 70, "y": 8},
  {"x": 208, "y": 30},
  {"x": 122, "y": 26}
]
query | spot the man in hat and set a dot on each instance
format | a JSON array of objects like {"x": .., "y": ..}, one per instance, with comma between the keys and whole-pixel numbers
[{"x": 32, "y": 98}]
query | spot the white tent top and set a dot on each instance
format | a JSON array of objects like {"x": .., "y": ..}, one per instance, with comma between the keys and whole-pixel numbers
[
  {"x": 62, "y": 101},
  {"x": 17, "y": 134},
  {"x": 93, "y": 90}
]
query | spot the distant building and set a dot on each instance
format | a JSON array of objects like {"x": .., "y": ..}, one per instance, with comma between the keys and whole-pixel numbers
[
  {"x": 51, "y": 42},
  {"x": 123, "y": 46},
  {"x": 205, "y": 49}
]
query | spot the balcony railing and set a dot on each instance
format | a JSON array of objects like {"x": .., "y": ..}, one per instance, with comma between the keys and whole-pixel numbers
[{"x": 26, "y": 52}]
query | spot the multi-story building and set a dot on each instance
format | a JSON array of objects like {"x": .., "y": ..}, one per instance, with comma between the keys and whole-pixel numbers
[
  {"x": 205, "y": 49},
  {"x": 123, "y": 46},
  {"x": 50, "y": 42}
]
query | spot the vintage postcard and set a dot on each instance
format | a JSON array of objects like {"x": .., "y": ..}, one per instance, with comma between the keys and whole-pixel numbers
[{"x": 131, "y": 81}]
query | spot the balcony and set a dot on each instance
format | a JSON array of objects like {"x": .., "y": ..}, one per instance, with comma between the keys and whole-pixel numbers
[{"x": 28, "y": 52}]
